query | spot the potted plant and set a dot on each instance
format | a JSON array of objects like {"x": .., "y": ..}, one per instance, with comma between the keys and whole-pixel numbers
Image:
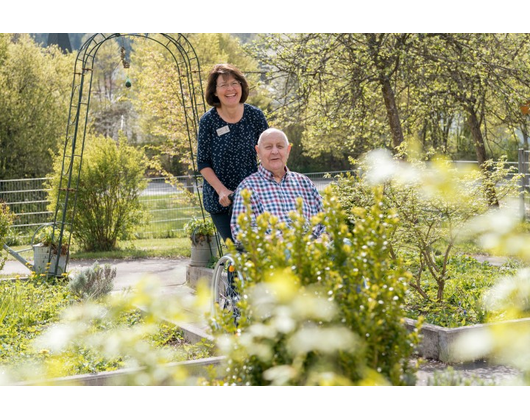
[
  {"x": 202, "y": 234},
  {"x": 45, "y": 242}
]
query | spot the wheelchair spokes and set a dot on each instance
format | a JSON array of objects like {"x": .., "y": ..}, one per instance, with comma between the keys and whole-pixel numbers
[{"x": 224, "y": 293}]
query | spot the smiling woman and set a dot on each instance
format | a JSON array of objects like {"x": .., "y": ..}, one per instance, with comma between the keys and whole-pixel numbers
[{"x": 228, "y": 134}]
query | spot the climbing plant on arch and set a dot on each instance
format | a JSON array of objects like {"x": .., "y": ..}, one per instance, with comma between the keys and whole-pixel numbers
[{"x": 187, "y": 73}]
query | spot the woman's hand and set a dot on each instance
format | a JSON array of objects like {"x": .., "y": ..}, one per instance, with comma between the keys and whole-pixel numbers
[{"x": 224, "y": 198}]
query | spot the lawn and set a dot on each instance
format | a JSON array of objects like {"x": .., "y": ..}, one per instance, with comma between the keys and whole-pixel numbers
[
  {"x": 142, "y": 248},
  {"x": 137, "y": 248}
]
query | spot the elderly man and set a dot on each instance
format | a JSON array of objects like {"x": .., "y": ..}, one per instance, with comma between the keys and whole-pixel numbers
[{"x": 274, "y": 188}]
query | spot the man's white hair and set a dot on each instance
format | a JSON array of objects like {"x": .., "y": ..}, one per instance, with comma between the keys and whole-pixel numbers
[{"x": 270, "y": 131}]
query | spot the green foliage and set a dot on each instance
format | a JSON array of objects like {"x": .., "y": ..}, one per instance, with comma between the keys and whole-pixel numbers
[
  {"x": 459, "y": 94},
  {"x": 95, "y": 326},
  {"x": 498, "y": 231},
  {"x": 468, "y": 281},
  {"x": 27, "y": 309},
  {"x": 93, "y": 282},
  {"x": 346, "y": 285},
  {"x": 200, "y": 230},
  {"x": 45, "y": 336},
  {"x": 35, "y": 84},
  {"x": 108, "y": 204},
  {"x": 431, "y": 220},
  {"x": 6, "y": 220}
]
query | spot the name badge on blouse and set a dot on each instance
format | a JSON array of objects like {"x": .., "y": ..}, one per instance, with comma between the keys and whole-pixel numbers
[{"x": 223, "y": 130}]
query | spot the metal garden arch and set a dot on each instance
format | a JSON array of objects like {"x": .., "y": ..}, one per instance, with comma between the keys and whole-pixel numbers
[{"x": 187, "y": 71}]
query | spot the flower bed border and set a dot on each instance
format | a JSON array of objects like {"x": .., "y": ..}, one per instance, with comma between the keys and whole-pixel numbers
[{"x": 437, "y": 343}]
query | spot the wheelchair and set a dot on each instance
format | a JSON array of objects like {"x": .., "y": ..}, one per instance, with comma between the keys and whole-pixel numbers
[{"x": 223, "y": 287}]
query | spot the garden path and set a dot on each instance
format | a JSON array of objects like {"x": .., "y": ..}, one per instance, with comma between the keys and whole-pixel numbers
[{"x": 171, "y": 272}]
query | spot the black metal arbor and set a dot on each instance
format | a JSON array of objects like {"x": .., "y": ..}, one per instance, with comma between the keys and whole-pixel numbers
[{"x": 187, "y": 71}]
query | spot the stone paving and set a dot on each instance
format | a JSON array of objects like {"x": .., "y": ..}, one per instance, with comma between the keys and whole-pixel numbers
[{"x": 477, "y": 373}]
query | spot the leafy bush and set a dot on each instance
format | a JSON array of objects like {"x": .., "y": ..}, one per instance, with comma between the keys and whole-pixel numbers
[
  {"x": 317, "y": 289},
  {"x": 200, "y": 230},
  {"x": 431, "y": 213},
  {"x": 6, "y": 220},
  {"x": 93, "y": 282},
  {"x": 294, "y": 338},
  {"x": 108, "y": 204}
]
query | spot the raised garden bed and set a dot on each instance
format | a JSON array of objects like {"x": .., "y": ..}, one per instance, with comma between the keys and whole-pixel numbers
[{"x": 438, "y": 343}]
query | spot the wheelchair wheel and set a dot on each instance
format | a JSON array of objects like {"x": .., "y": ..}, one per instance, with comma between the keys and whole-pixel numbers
[{"x": 224, "y": 295}]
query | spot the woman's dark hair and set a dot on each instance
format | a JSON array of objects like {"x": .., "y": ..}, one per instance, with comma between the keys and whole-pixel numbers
[{"x": 225, "y": 70}]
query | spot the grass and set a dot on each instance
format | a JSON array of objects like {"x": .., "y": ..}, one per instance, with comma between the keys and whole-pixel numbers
[
  {"x": 137, "y": 248},
  {"x": 142, "y": 248}
]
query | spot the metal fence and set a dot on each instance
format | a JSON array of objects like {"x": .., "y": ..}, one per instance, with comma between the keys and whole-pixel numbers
[
  {"x": 28, "y": 199},
  {"x": 169, "y": 207}
]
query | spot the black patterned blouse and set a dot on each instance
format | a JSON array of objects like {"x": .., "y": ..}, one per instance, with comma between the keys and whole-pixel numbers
[{"x": 229, "y": 150}]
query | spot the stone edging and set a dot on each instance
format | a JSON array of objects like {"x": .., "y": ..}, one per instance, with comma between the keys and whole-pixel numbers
[
  {"x": 194, "y": 368},
  {"x": 437, "y": 343}
]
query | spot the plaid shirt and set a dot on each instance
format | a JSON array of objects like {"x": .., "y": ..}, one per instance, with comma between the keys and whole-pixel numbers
[{"x": 277, "y": 198}]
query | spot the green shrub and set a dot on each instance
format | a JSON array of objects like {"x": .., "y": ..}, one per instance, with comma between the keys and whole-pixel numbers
[
  {"x": 347, "y": 280},
  {"x": 200, "y": 230},
  {"x": 93, "y": 282},
  {"x": 433, "y": 204},
  {"x": 108, "y": 198}
]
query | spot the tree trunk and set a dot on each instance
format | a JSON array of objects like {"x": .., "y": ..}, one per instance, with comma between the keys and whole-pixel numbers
[
  {"x": 478, "y": 140},
  {"x": 392, "y": 113},
  {"x": 480, "y": 150}
]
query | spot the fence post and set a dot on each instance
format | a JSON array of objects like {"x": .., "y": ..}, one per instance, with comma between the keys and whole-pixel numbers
[{"x": 522, "y": 164}]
